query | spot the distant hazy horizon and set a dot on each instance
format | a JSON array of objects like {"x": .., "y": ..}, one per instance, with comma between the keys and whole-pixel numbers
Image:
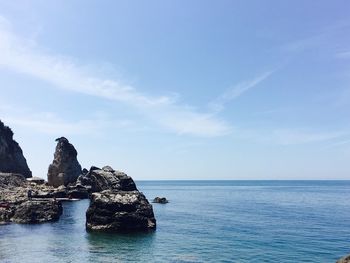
[{"x": 196, "y": 90}]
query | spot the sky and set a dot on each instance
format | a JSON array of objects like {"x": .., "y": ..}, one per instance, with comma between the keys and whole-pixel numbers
[{"x": 181, "y": 90}]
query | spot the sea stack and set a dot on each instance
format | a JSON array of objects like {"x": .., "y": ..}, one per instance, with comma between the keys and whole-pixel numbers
[
  {"x": 11, "y": 155},
  {"x": 119, "y": 207},
  {"x": 65, "y": 168}
]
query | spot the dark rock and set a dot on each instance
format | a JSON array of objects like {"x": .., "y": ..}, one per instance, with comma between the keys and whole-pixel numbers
[
  {"x": 160, "y": 200},
  {"x": 65, "y": 168},
  {"x": 37, "y": 212},
  {"x": 78, "y": 193},
  {"x": 75, "y": 192},
  {"x": 11, "y": 155},
  {"x": 345, "y": 259},
  {"x": 84, "y": 171},
  {"x": 9, "y": 180},
  {"x": 119, "y": 211},
  {"x": 98, "y": 180},
  {"x": 6, "y": 213}
]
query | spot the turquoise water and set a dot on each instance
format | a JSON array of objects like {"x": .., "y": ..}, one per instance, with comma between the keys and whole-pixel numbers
[{"x": 205, "y": 221}]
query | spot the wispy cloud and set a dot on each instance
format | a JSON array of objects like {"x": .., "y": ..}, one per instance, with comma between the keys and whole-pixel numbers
[
  {"x": 338, "y": 144},
  {"x": 293, "y": 136},
  {"x": 320, "y": 38},
  {"x": 25, "y": 56},
  {"x": 219, "y": 103},
  {"x": 343, "y": 55},
  {"x": 50, "y": 123}
]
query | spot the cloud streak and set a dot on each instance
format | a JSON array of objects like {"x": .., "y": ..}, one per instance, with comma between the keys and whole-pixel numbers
[
  {"x": 25, "y": 56},
  {"x": 219, "y": 103}
]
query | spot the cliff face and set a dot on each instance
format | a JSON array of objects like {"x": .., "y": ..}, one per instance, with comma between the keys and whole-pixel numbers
[
  {"x": 65, "y": 167},
  {"x": 11, "y": 155}
]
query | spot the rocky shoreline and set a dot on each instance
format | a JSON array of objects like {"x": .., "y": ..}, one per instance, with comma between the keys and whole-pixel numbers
[{"x": 116, "y": 204}]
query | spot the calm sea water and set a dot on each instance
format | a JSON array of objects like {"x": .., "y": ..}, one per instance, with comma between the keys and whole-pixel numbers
[{"x": 205, "y": 221}]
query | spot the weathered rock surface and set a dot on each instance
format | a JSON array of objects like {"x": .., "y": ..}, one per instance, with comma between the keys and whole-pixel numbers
[
  {"x": 65, "y": 168},
  {"x": 75, "y": 192},
  {"x": 345, "y": 259},
  {"x": 15, "y": 205},
  {"x": 160, "y": 200},
  {"x": 10, "y": 180},
  {"x": 37, "y": 211},
  {"x": 11, "y": 155},
  {"x": 119, "y": 211},
  {"x": 97, "y": 180}
]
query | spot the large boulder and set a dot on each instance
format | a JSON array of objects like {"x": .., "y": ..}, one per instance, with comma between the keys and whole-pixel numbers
[
  {"x": 119, "y": 211},
  {"x": 11, "y": 155},
  {"x": 30, "y": 212},
  {"x": 106, "y": 178},
  {"x": 65, "y": 168}
]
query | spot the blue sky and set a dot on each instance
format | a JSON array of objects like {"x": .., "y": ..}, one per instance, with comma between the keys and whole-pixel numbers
[{"x": 181, "y": 89}]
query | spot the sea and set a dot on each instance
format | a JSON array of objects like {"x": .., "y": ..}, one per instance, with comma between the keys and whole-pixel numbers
[{"x": 204, "y": 221}]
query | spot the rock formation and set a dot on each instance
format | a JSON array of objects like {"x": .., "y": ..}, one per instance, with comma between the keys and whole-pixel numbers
[
  {"x": 15, "y": 205},
  {"x": 116, "y": 204},
  {"x": 11, "y": 155},
  {"x": 345, "y": 259},
  {"x": 65, "y": 168},
  {"x": 9, "y": 180},
  {"x": 97, "y": 180},
  {"x": 160, "y": 200},
  {"x": 37, "y": 211},
  {"x": 119, "y": 211}
]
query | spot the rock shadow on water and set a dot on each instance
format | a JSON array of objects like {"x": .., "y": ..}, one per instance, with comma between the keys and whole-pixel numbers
[{"x": 130, "y": 246}]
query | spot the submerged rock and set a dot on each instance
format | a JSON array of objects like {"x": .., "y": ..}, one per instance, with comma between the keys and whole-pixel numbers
[
  {"x": 345, "y": 259},
  {"x": 11, "y": 155},
  {"x": 97, "y": 180},
  {"x": 37, "y": 211},
  {"x": 65, "y": 168},
  {"x": 160, "y": 200},
  {"x": 119, "y": 211}
]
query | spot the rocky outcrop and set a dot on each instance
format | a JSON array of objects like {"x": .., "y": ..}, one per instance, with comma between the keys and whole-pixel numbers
[
  {"x": 97, "y": 180},
  {"x": 160, "y": 200},
  {"x": 65, "y": 168},
  {"x": 37, "y": 211},
  {"x": 345, "y": 259},
  {"x": 119, "y": 211},
  {"x": 116, "y": 204},
  {"x": 11, "y": 155},
  {"x": 15, "y": 205},
  {"x": 10, "y": 180},
  {"x": 72, "y": 192}
]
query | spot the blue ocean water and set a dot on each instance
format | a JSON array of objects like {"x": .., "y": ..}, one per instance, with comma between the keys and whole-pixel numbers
[{"x": 205, "y": 221}]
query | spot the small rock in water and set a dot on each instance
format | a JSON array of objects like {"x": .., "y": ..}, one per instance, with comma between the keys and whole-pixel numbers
[
  {"x": 345, "y": 259},
  {"x": 160, "y": 200}
]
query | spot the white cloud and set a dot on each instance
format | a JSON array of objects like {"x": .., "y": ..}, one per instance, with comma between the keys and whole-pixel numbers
[
  {"x": 25, "y": 56},
  {"x": 219, "y": 103}
]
